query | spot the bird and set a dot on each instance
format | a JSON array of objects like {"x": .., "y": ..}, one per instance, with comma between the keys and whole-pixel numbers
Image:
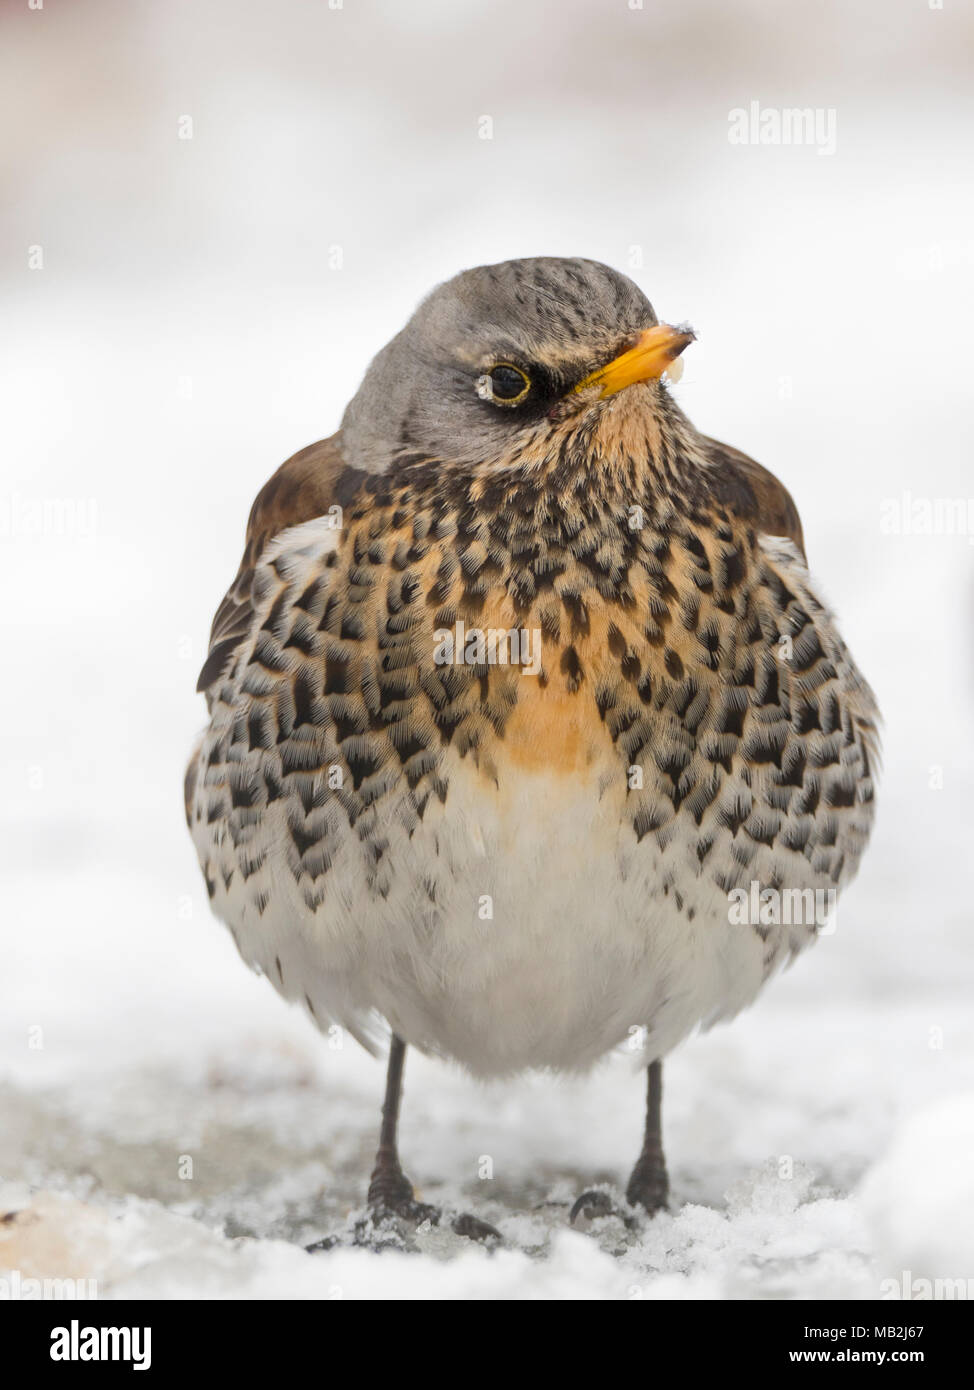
[{"x": 521, "y": 690}]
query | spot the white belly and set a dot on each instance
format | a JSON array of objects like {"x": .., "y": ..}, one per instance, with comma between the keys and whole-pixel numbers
[{"x": 514, "y": 930}]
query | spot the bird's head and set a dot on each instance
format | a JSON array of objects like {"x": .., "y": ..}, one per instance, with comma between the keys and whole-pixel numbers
[{"x": 500, "y": 357}]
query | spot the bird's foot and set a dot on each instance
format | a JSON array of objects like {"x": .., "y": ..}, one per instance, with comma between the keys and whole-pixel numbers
[
  {"x": 394, "y": 1214},
  {"x": 646, "y": 1193},
  {"x": 391, "y": 1198},
  {"x": 382, "y": 1229},
  {"x": 596, "y": 1204},
  {"x": 463, "y": 1224},
  {"x": 649, "y": 1186}
]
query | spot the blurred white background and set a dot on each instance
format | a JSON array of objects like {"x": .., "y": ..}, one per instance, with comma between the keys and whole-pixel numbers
[{"x": 214, "y": 213}]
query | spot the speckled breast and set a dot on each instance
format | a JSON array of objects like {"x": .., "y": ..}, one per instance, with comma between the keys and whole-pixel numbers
[{"x": 391, "y": 828}]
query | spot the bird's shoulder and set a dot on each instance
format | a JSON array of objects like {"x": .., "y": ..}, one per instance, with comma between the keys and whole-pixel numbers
[
  {"x": 307, "y": 485},
  {"x": 752, "y": 492}
]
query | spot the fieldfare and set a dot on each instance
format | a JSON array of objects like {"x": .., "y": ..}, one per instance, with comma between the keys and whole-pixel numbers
[{"x": 529, "y": 734}]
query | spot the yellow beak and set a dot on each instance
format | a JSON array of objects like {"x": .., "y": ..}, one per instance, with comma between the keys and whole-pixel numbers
[{"x": 656, "y": 349}]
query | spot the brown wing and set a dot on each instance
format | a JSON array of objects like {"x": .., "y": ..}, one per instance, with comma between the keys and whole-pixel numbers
[
  {"x": 756, "y": 494},
  {"x": 304, "y": 487}
]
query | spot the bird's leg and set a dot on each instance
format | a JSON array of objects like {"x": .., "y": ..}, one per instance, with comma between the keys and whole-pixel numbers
[
  {"x": 648, "y": 1185},
  {"x": 390, "y": 1191}
]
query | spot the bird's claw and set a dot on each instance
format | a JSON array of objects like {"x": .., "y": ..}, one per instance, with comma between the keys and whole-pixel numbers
[
  {"x": 475, "y": 1229},
  {"x": 390, "y": 1227},
  {"x": 595, "y": 1204},
  {"x": 645, "y": 1196}
]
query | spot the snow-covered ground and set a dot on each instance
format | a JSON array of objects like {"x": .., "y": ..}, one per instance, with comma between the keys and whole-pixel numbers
[{"x": 167, "y": 1125}]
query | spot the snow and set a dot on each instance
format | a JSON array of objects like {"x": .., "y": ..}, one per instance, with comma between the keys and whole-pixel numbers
[
  {"x": 918, "y": 1201},
  {"x": 170, "y": 1128}
]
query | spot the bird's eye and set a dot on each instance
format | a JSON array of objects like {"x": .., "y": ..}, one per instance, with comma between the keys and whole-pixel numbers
[{"x": 504, "y": 383}]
